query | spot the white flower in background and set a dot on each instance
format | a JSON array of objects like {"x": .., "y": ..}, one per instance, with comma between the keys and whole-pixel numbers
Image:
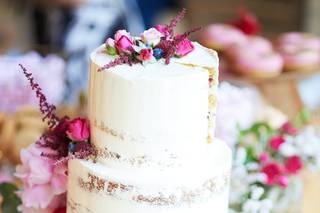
[
  {"x": 256, "y": 177},
  {"x": 251, "y": 206},
  {"x": 252, "y": 166},
  {"x": 240, "y": 157},
  {"x": 245, "y": 100},
  {"x": 256, "y": 192},
  {"x": 151, "y": 36},
  {"x": 287, "y": 149}
]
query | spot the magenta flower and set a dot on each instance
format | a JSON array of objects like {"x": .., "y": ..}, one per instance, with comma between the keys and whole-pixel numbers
[
  {"x": 264, "y": 157},
  {"x": 275, "y": 142},
  {"x": 123, "y": 41},
  {"x": 293, "y": 165},
  {"x": 273, "y": 171},
  {"x": 288, "y": 128},
  {"x": 78, "y": 129},
  {"x": 184, "y": 47},
  {"x": 283, "y": 181},
  {"x": 146, "y": 54}
]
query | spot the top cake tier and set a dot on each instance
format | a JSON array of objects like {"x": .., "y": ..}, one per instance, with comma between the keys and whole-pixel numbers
[{"x": 153, "y": 114}]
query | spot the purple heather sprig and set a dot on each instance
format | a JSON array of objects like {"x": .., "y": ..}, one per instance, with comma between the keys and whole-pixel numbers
[
  {"x": 62, "y": 131},
  {"x": 48, "y": 110}
]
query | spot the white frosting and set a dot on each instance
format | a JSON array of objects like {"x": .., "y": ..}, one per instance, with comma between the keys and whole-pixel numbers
[
  {"x": 151, "y": 125},
  {"x": 155, "y": 110},
  {"x": 215, "y": 165}
]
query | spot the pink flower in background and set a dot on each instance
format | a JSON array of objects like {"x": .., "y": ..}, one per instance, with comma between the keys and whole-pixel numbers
[
  {"x": 38, "y": 196},
  {"x": 293, "y": 165},
  {"x": 123, "y": 41},
  {"x": 283, "y": 181},
  {"x": 288, "y": 128},
  {"x": 151, "y": 36},
  {"x": 35, "y": 169},
  {"x": 275, "y": 142},
  {"x": 145, "y": 54},
  {"x": 78, "y": 129},
  {"x": 273, "y": 171},
  {"x": 185, "y": 47},
  {"x": 44, "y": 182},
  {"x": 264, "y": 157}
]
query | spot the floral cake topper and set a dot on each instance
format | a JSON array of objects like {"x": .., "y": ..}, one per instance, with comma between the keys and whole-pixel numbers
[{"x": 156, "y": 43}]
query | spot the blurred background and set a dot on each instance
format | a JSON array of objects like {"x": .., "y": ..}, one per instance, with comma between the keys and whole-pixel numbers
[{"x": 269, "y": 64}]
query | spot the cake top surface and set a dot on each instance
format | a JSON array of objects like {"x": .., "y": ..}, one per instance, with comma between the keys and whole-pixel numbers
[
  {"x": 200, "y": 56},
  {"x": 158, "y": 48}
]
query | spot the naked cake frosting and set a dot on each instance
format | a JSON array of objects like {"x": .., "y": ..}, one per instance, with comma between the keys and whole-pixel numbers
[{"x": 152, "y": 104}]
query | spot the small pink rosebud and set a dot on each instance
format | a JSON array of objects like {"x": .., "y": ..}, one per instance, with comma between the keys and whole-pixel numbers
[
  {"x": 184, "y": 47},
  {"x": 123, "y": 41},
  {"x": 121, "y": 33},
  {"x": 78, "y": 129},
  {"x": 275, "y": 142},
  {"x": 288, "y": 128},
  {"x": 145, "y": 54},
  {"x": 264, "y": 157},
  {"x": 110, "y": 42},
  {"x": 283, "y": 181},
  {"x": 124, "y": 44},
  {"x": 293, "y": 165}
]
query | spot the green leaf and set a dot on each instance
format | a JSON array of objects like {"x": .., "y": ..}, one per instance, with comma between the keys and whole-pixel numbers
[
  {"x": 112, "y": 50},
  {"x": 10, "y": 200},
  {"x": 302, "y": 118}
]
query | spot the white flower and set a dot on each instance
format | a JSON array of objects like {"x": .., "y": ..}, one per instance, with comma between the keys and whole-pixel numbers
[
  {"x": 251, "y": 206},
  {"x": 287, "y": 149},
  {"x": 241, "y": 155},
  {"x": 256, "y": 192},
  {"x": 151, "y": 36}
]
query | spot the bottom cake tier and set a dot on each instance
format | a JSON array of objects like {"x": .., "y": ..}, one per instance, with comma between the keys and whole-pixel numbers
[{"x": 95, "y": 188}]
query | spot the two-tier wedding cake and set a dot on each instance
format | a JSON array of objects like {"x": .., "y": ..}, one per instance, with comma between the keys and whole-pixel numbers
[{"x": 152, "y": 123}]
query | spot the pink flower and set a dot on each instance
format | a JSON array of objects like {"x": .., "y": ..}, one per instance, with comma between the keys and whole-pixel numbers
[
  {"x": 110, "y": 42},
  {"x": 121, "y": 33},
  {"x": 283, "y": 181},
  {"x": 44, "y": 181},
  {"x": 162, "y": 29},
  {"x": 264, "y": 157},
  {"x": 145, "y": 54},
  {"x": 78, "y": 129},
  {"x": 184, "y": 47},
  {"x": 293, "y": 165},
  {"x": 273, "y": 171},
  {"x": 57, "y": 204},
  {"x": 288, "y": 128},
  {"x": 38, "y": 196},
  {"x": 276, "y": 142},
  {"x": 151, "y": 36},
  {"x": 123, "y": 41},
  {"x": 35, "y": 169}
]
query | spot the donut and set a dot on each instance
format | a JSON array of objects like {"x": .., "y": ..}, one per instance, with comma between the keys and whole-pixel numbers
[
  {"x": 255, "y": 58},
  {"x": 221, "y": 36},
  {"x": 300, "y": 51}
]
